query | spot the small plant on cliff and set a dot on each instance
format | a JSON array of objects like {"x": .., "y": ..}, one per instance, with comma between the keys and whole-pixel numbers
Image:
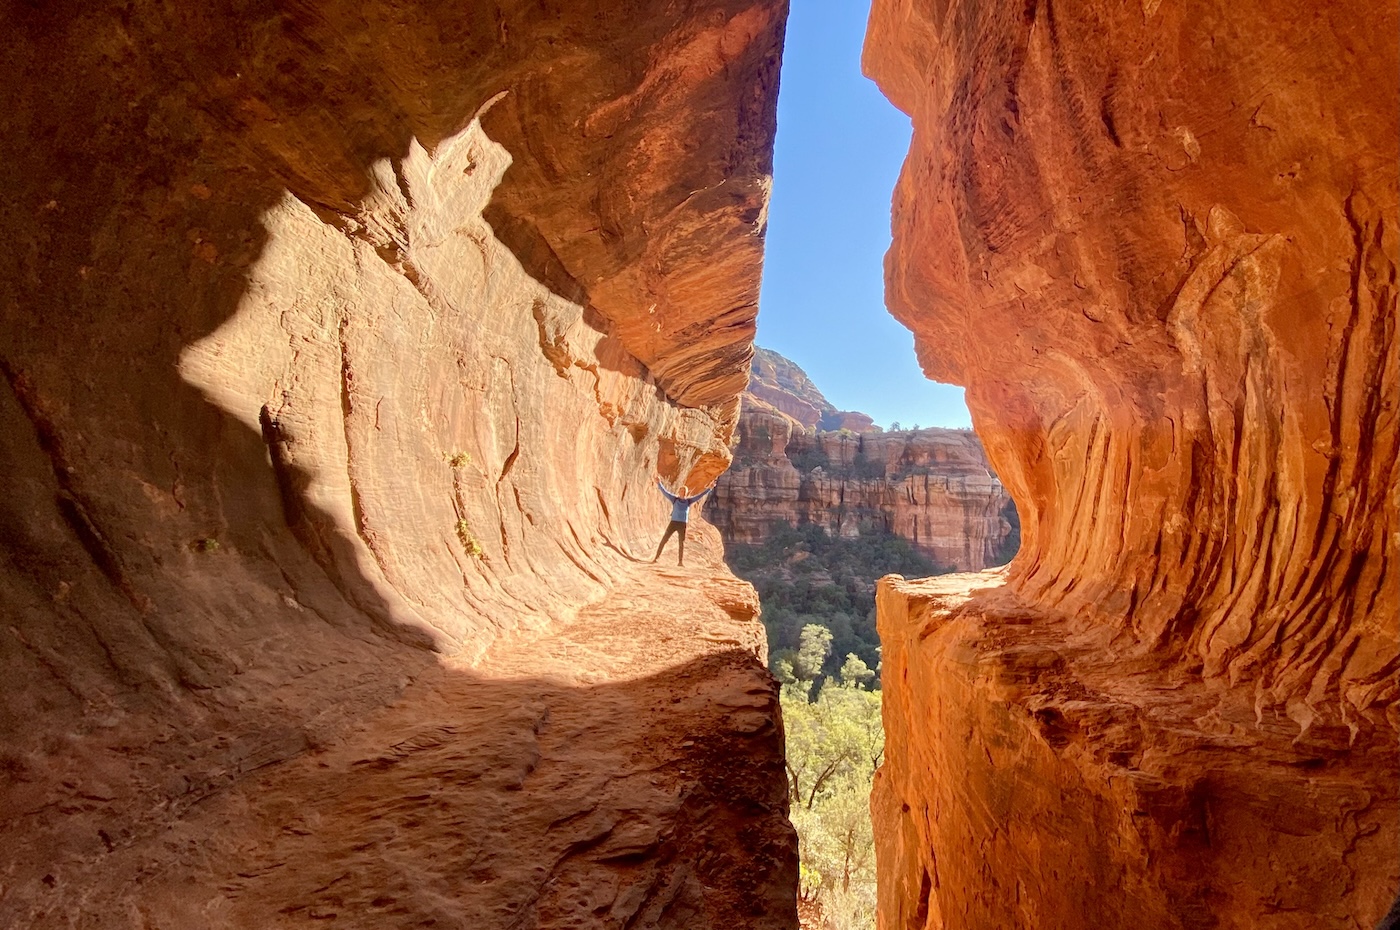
[
  {"x": 206, "y": 545},
  {"x": 469, "y": 543},
  {"x": 864, "y": 468},
  {"x": 457, "y": 459}
]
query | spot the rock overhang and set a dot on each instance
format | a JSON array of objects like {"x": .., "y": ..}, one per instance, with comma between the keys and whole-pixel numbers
[{"x": 331, "y": 360}]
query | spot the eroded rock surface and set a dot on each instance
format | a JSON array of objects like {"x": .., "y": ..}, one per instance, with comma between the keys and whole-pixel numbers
[
  {"x": 587, "y": 776},
  {"x": 341, "y": 346},
  {"x": 931, "y": 486},
  {"x": 1158, "y": 244},
  {"x": 1040, "y": 778}
]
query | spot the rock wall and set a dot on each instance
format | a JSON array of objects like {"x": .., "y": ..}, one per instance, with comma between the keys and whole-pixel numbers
[
  {"x": 341, "y": 343},
  {"x": 930, "y": 486},
  {"x": 1158, "y": 244}
]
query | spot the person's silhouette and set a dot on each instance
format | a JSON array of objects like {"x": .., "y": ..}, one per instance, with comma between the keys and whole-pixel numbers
[{"x": 680, "y": 515}]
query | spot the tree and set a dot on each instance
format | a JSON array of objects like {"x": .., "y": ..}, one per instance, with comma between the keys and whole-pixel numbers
[
  {"x": 834, "y": 744},
  {"x": 818, "y": 596},
  {"x": 855, "y": 673},
  {"x": 834, "y": 589},
  {"x": 837, "y": 847},
  {"x": 812, "y": 650}
]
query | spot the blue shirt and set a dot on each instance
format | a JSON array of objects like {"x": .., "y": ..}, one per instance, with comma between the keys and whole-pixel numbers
[{"x": 680, "y": 506}]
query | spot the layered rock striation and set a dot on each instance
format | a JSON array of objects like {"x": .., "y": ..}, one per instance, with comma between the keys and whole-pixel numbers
[
  {"x": 932, "y": 487},
  {"x": 799, "y": 460},
  {"x": 1158, "y": 244},
  {"x": 342, "y": 346}
]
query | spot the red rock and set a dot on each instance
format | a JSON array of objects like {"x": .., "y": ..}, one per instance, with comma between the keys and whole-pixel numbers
[
  {"x": 1083, "y": 786},
  {"x": 778, "y": 383},
  {"x": 851, "y": 420},
  {"x": 342, "y": 345},
  {"x": 930, "y": 486},
  {"x": 1158, "y": 245}
]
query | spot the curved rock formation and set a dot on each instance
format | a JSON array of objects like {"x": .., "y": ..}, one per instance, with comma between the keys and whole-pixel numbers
[
  {"x": 1158, "y": 244},
  {"x": 930, "y": 486},
  {"x": 341, "y": 346}
]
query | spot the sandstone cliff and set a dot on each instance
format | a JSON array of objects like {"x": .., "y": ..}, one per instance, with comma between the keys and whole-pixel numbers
[
  {"x": 778, "y": 383},
  {"x": 341, "y": 346},
  {"x": 1158, "y": 244},
  {"x": 930, "y": 486}
]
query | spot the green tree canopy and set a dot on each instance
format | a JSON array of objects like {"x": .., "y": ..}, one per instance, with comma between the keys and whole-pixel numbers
[
  {"x": 835, "y": 742},
  {"x": 818, "y": 596}
]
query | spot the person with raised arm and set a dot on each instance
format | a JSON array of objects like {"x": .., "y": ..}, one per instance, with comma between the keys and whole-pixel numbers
[{"x": 680, "y": 515}]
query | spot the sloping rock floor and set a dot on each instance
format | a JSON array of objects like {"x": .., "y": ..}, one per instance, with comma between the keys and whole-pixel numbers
[{"x": 623, "y": 770}]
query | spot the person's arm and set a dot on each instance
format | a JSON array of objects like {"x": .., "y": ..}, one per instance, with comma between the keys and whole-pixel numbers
[
  {"x": 669, "y": 496},
  {"x": 691, "y": 500}
]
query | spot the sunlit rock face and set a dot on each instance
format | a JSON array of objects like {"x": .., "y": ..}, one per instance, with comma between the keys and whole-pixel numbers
[
  {"x": 778, "y": 383},
  {"x": 799, "y": 460},
  {"x": 342, "y": 346},
  {"x": 933, "y": 487},
  {"x": 1158, "y": 244}
]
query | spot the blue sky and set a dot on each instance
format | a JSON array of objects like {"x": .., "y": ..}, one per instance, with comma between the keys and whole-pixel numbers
[{"x": 839, "y": 149}]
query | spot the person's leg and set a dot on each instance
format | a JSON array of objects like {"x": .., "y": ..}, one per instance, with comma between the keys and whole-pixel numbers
[
  {"x": 670, "y": 528},
  {"x": 680, "y": 534}
]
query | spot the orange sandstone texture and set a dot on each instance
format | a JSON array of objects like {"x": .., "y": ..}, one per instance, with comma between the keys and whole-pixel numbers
[
  {"x": 1158, "y": 244},
  {"x": 341, "y": 345},
  {"x": 778, "y": 383}
]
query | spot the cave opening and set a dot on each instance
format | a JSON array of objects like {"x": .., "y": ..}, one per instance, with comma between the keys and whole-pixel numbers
[
  {"x": 330, "y": 463},
  {"x": 851, "y": 464}
]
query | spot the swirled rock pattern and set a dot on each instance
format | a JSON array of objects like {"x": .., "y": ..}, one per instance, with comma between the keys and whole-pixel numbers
[
  {"x": 1157, "y": 242},
  {"x": 342, "y": 344}
]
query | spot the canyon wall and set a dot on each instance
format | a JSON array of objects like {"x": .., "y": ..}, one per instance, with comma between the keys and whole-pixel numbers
[
  {"x": 930, "y": 486},
  {"x": 800, "y": 460},
  {"x": 1157, "y": 242},
  {"x": 342, "y": 345}
]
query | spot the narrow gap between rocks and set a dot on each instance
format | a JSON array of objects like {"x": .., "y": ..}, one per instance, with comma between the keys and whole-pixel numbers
[{"x": 850, "y": 464}]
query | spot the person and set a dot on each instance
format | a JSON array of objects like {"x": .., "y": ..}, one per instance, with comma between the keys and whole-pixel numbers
[{"x": 680, "y": 514}]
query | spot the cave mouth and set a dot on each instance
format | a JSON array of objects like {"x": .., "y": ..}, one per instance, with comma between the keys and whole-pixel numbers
[
  {"x": 838, "y": 151},
  {"x": 374, "y": 639},
  {"x": 885, "y": 474}
]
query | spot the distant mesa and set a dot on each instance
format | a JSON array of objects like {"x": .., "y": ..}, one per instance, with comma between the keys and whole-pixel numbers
[{"x": 799, "y": 460}]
